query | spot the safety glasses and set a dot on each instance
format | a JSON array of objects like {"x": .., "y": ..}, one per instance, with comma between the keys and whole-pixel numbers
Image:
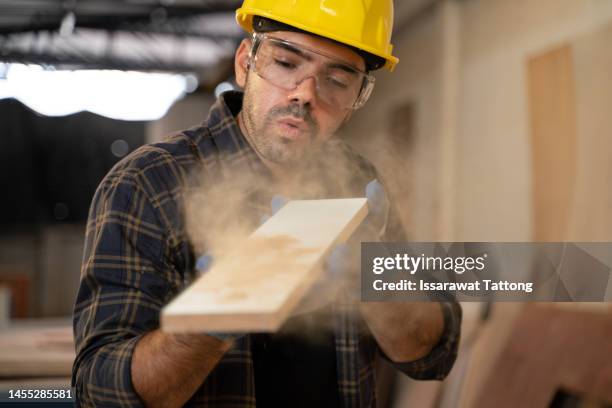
[{"x": 287, "y": 64}]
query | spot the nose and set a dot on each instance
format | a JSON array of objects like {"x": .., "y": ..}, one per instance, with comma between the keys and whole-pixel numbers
[{"x": 305, "y": 91}]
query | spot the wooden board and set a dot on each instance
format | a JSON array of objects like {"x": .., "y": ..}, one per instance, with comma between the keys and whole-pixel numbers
[
  {"x": 37, "y": 348},
  {"x": 551, "y": 350},
  {"x": 255, "y": 287},
  {"x": 552, "y": 106},
  {"x": 570, "y": 93},
  {"x": 487, "y": 346},
  {"x": 49, "y": 383},
  {"x": 592, "y": 58}
]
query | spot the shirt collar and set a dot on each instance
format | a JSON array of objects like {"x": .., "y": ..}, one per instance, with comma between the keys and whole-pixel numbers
[{"x": 224, "y": 138}]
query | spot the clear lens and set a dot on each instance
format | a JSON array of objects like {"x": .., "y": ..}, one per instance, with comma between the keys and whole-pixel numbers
[{"x": 286, "y": 65}]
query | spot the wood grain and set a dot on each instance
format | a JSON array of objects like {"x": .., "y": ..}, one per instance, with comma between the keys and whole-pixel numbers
[{"x": 255, "y": 287}]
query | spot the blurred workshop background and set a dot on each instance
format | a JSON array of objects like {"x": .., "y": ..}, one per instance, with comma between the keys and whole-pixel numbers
[{"x": 495, "y": 126}]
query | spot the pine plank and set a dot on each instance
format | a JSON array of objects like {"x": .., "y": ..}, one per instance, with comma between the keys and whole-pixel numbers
[{"x": 256, "y": 286}]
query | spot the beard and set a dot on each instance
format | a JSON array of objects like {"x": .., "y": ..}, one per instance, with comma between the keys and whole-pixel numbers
[{"x": 269, "y": 141}]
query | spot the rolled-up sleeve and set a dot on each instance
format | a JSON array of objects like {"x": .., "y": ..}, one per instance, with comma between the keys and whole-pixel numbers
[
  {"x": 124, "y": 284},
  {"x": 437, "y": 364}
]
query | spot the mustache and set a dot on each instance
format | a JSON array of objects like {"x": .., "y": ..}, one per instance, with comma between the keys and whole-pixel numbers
[{"x": 296, "y": 111}]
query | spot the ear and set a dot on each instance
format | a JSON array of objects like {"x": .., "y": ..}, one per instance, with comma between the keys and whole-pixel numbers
[{"x": 241, "y": 62}]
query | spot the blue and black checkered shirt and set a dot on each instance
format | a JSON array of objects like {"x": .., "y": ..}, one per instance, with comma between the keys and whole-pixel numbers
[{"x": 138, "y": 256}]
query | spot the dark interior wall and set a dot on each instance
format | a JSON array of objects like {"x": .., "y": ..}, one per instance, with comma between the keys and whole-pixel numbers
[{"x": 51, "y": 166}]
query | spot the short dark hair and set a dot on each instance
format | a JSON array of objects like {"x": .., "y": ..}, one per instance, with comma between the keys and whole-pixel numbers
[{"x": 265, "y": 25}]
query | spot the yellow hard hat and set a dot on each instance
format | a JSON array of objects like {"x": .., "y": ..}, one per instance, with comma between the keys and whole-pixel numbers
[{"x": 366, "y": 24}]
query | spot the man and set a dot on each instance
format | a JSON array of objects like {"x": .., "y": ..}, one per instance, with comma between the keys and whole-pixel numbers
[{"x": 303, "y": 72}]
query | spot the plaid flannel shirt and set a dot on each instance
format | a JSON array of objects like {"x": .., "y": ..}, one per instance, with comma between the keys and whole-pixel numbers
[{"x": 137, "y": 257}]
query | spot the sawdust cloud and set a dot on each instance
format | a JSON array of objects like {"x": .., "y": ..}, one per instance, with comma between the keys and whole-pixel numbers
[{"x": 224, "y": 204}]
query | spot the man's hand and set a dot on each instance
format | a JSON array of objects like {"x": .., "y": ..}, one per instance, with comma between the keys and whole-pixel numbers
[
  {"x": 340, "y": 271},
  {"x": 378, "y": 207},
  {"x": 405, "y": 331}
]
